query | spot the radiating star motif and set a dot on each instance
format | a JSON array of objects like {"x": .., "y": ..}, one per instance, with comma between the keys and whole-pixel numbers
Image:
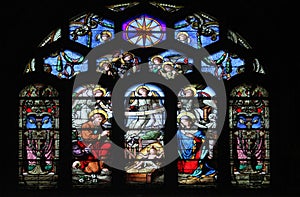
[{"x": 144, "y": 31}]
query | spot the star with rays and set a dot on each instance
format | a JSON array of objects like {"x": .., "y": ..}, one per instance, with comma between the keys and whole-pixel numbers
[{"x": 144, "y": 31}]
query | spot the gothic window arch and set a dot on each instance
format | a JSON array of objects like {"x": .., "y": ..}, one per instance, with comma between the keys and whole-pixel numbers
[
  {"x": 39, "y": 135},
  {"x": 181, "y": 120}
]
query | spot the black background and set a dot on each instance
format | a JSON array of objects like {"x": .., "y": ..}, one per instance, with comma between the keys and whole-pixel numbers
[{"x": 268, "y": 28}]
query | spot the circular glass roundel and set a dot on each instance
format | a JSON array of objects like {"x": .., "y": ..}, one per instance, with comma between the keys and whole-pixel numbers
[{"x": 144, "y": 31}]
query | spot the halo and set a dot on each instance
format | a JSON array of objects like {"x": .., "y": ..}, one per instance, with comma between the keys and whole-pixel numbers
[
  {"x": 169, "y": 63},
  {"x": 98, "y": 111},
  {"x": 191, "y": 88},
  {"x": 106, "y": 32},
  {"x": 103, "y": 62},
  {"x": 140, "y": 87},
  {"x": 188, "y": 114},
  {"x": 182, "y": 33},
  {"x": 126, "y": 53},
  {"x": 99, "y": 88},
  {"x": 157, "y": 56}
]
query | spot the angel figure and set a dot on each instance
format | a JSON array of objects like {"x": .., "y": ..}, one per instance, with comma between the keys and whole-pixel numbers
[
  {"x": 168, "y": 71},
  {"x": 145, "y": 110}
]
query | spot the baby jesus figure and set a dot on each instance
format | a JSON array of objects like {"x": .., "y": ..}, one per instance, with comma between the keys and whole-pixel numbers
[{"x": 152, "y": 154}]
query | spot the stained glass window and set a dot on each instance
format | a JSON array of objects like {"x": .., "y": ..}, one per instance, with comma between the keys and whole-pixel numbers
[
  {"x": 64, "y": 64},
  {"x": 91, "y": 122},
  {"x": 121, "y": 7},
  {"x": 198, "y": 30},
  {"x": 223, "y": 65},
  {"x": 38, "y": 137},
  {"x": 124, "y": 107},
  {"x": 30, "y": 67},
  {"x": 197, "y": 135},
  {"x": 249, "y": 136},
  {"x": 52, "y": 37},
  {"x": 144, "y": 135},
  {"x": 167, "y": 7},
  {"x": 91, "y": 30},
  {"x": 169, "y": 64}
]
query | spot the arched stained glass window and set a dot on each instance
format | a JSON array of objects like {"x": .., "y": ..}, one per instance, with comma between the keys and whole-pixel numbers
[
  {"x": 188, "y": 114},
  {"x": 39, "y": 137},
  {"x": 91, "y": 127},
  {"x": 145, "y": 117},
  {"x": 249, "y": 135},
  {"x": 197, "y": 135}
]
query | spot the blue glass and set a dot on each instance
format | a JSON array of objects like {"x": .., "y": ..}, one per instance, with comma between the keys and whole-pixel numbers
[{"x": 66, "y": 64}]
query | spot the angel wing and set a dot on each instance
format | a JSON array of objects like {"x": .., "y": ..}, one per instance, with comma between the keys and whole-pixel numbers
[
  {"x": 173, "y": 58},
  {"x": 131, "y": 97},
  {"x": 154, "y": 93}
]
